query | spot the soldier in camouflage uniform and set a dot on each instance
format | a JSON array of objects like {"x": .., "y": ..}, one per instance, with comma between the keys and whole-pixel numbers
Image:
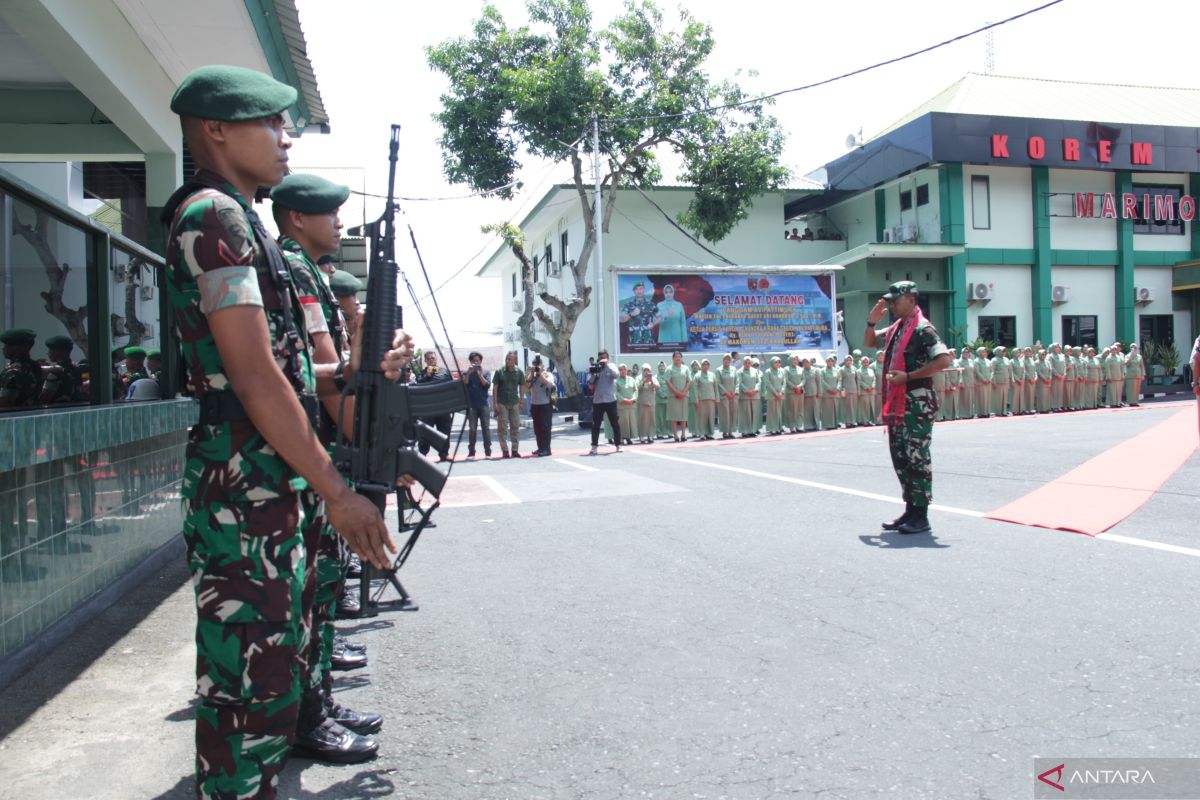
[
  {"x": 913, "y": 353},
  {"x": 305, "y": 208},
  {"x": 20, "y": 380},
  {"x": 62, "y": 379},
  {"x": 249, "y": 524},
  {"x": 641, "y": 313}
]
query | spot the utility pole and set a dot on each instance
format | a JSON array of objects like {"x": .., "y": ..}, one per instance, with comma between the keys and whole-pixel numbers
[{"x": 596, "y": 218}]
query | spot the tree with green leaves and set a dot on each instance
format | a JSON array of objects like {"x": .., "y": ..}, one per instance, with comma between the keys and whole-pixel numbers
[{"x": 538, "y": 91}]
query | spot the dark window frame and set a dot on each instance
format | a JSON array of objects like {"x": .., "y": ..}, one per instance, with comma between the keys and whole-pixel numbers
[
  {"x": 1155, "y": 228},
  {"x": 1153, "y": 332},
  {"x": 985, "y": 182},
  {"x": 1003, "y": 329},
  {"x": 923, "y": 194},
  {"x": 1076, "y": 335},
  {"x": 906, "y": 200}
]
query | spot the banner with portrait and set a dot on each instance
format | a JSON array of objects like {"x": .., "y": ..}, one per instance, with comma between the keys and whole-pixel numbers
[{"x": 719, "y": 312}]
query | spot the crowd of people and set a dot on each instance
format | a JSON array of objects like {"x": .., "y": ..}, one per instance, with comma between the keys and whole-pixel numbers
[{"x": 59, "y": 379}]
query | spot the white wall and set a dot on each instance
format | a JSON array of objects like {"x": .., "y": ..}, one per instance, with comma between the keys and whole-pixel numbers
[
  {"x": 1012, "y": 297},
  {"x": 855, "y": 218},
  {"x": 1011, "y": 204},
  {"x": 1159, "y": 280},
  {"x": 1089, "y": 233},
  {"x": 1093, "y": 292}
]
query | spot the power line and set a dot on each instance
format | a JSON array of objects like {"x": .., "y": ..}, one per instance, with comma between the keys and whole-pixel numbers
[{"x": 844, "y": 75}]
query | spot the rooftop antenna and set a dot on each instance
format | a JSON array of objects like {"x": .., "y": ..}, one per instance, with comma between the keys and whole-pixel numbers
[
  {"x": 989, "y": 62},
  {"x": 853, "y": 141}
]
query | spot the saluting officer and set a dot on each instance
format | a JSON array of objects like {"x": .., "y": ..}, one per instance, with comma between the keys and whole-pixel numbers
[{"x": 247, "y": 524}]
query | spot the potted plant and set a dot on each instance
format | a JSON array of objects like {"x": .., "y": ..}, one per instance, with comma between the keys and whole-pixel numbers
[{"x": 1166, "y": 355}]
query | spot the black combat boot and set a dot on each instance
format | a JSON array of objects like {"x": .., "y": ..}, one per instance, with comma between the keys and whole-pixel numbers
[
  {"x": 343, "y": 659},
  {"x": 321, "y": 738},
  {"x": 358, "y": 721},
  {"x": 918, "y": 521},
  {"x": 895, "y": 524}
]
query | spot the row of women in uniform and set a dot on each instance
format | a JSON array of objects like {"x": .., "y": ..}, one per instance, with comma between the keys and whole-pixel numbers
[
  {"x": 1039, "y": 380},
  {"x": 731, "y": 400}
]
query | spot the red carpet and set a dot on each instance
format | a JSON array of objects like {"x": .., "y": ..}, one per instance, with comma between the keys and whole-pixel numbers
[{"x": 1098, "y": 494}]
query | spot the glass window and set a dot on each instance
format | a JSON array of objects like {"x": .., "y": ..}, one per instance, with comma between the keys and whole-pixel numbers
[
  {"x": 549, "y": 254},
  {"x": 923, "y": 194},
  {"x": 981, "y": 203},
  {"x": 906, "y": 200},
  {"x": 1164, "y": 202},
  {"x": 44, "y": 266},
  {"x": 563, "y": 249},
  {"x": 1156, "y": 328},
  {"x": 133, "y": 312},
  {"x": 535, "y": 269},
  {"x": 1079, "y": 330},
  {"x": 514, "y": 284},
  {"x": 999, "y": 330}
]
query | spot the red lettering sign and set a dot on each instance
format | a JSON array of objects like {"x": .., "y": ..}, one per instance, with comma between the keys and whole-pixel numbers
[
  {"x": 1146, "y": 206},
  {"x": 1085, "y": 204},
  {"x": 1164, "y": 207},
  {"x": 1110, "y": 206},
  {"x": 999, "y": 145},
  {"x": 1036, "y": 147},
  {"x": 1128, "y": 206},
  {"x": 1141, "y": 153},
  {"x": 1070, "y": 149},
  {"x": 1187, "y": 208},
  {"x": 1104, "y": 151}
]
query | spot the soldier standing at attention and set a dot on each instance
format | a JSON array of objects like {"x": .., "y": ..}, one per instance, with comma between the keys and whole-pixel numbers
[
  {"x": 305, "y": 208},
  {"x": 1068, "y": 380},
  {"x": 812, "y": 395},
  {"x": 135, "y": 368},
  {"x": 21, "y": 378},
  {"x": 1017, "y": 365},
  {"x": 866, "y": 393},
  {"x": 727, "y": 405},
  {"x": 254, "y": 451},
  {"x": 641, "y": 314},
  {"x": 704, "y": 386},
  {"x": 774, "y": 384},
  {"x": 1058, "y": 370},
  {"x": 749, "y": 387},
  {"x": 63, "y": 380},
  {"x": 831, "y": 387},
  {"x": 1135, "y": 371},
  {"x": 913, "y": 353},
  {"x": 848, "y": 376}
]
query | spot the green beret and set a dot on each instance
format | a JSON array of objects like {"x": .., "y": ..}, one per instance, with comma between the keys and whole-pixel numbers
[
  {"x": 153, "y": 354},
  {"x": 899, "y": 289},
  {"x": 135, "y": 352},
  {"x": 639, "y": 283},
  {"x": 18, "y": 336},
  {"x": 343, "y": 284},
  {"x": 231, "y": 94},
  {"x": 59, "y": 342},
  {"x": 309, "y": 194}
]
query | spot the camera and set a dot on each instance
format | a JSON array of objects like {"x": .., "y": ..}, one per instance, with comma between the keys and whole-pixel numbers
[{"x": 594, "y": 369}]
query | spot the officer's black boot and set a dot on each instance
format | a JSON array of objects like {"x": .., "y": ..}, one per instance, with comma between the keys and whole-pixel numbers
[
  {"x": 321, "y": 738},
  {"x": 358, "y": 721},
  {"x": 900, "y": 520},
  {"x": 343, "y": 659},
  {"x": 918, "y": 521}
]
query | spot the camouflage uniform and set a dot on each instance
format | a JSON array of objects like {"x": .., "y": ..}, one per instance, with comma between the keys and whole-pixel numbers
[
  {"x": 248, "y": 520},
  {"x": 640, "y": 326},
  {"x": 19, "y": 383},
  {"x": 909, "y": 439}
]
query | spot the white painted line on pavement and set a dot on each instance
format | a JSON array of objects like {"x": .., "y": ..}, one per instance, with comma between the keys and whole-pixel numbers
[
  {"x": 505, "y": 495},
  {"x": 1170, "y": 548},
  {"x": 583, "y": 467},
  {"x": 966, "y": 512}
]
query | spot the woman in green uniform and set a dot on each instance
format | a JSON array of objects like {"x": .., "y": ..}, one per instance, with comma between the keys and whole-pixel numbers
[
  {"x": 627, "y": 396},
  {"x": 983, "y": 383},
  {"x": 793, "y": 392},
  {"x": 679, "y": 381},
  {"x": 866, "y": 392},
  {"x": 672, "y": 325},
  {"x": 848, "y": 375},
  {"x": 662, "y": 428},
  {"x": 831, "y": 387},
  {"x": 727, "y": 398},
  {"x": 646, "y": 402},
  {"x": 694, "y": 370},
  {"x": 774, "y": 383},
  {"x": 704, "y": 387},
  {"x": 812, "y": 395},
  {"x": 966, "y": 367},
  {"x": 1045, "y": 376},
  {"x": 749, "y": 390}
]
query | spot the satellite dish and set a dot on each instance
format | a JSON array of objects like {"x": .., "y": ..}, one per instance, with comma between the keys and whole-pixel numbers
[{"x": 851, "y": 140}]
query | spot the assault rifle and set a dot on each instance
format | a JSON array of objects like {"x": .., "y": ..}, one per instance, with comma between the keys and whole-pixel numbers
[{"x": 387, "y": 427}]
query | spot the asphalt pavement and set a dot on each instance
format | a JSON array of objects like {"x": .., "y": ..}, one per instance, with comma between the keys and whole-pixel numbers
[{"x": 707, "y": 620}]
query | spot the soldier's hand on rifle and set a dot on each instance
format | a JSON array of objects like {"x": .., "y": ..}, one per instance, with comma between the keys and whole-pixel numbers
[
  {"x": 395, "y": 360},
  {"x": 358, "y": 521}
]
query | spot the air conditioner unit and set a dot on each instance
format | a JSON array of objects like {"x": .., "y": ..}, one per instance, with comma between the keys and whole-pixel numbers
[
  {"x": 909, "y": 233},
  {"x": 1143, "y": 294},
  {"x": 887, "y": 236},
  {"x": 981, "y": 291},
  {"x": 147, "y": 292},
  {"x": 539, "y": 287},
  {"x": 553, "y": 269},
  {"x": 518, "y": 304},
  {"x": 1060, "y": 294}
]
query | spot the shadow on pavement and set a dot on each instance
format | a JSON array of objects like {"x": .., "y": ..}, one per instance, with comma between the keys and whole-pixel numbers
[
  {"x": 67, "y": 661},
  {"x": 185, "y": 789},
  {"x": 901, "y": 541},
  {"x": 362, "y": 786}
]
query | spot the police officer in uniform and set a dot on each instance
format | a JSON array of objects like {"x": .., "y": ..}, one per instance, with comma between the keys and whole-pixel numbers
[
  {"x": 20, "y": 381},
  {"x": 248, "y": 524},
  {"x": 913, "y": 352}
]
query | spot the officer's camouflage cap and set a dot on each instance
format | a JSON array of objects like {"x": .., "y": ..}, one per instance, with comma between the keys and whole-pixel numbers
[
  {"x": 18, "y": 336},
  {"x": 343, "y": 284},
  {"x": 135, "y": 352},
  {"x": 59, "y": 342},
  {"x": 231, "y": 94},
  {"x": 899, "y": 289},
  {"x": 309, "y": 194}
]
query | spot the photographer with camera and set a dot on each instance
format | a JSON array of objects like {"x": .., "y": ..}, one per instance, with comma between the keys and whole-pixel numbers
[
  {"x": 602, "y": 379},
  {"x": 541, "y": 385},
  {"x": 431, "y": 373},
  {"x": 479, "y": 382}
]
